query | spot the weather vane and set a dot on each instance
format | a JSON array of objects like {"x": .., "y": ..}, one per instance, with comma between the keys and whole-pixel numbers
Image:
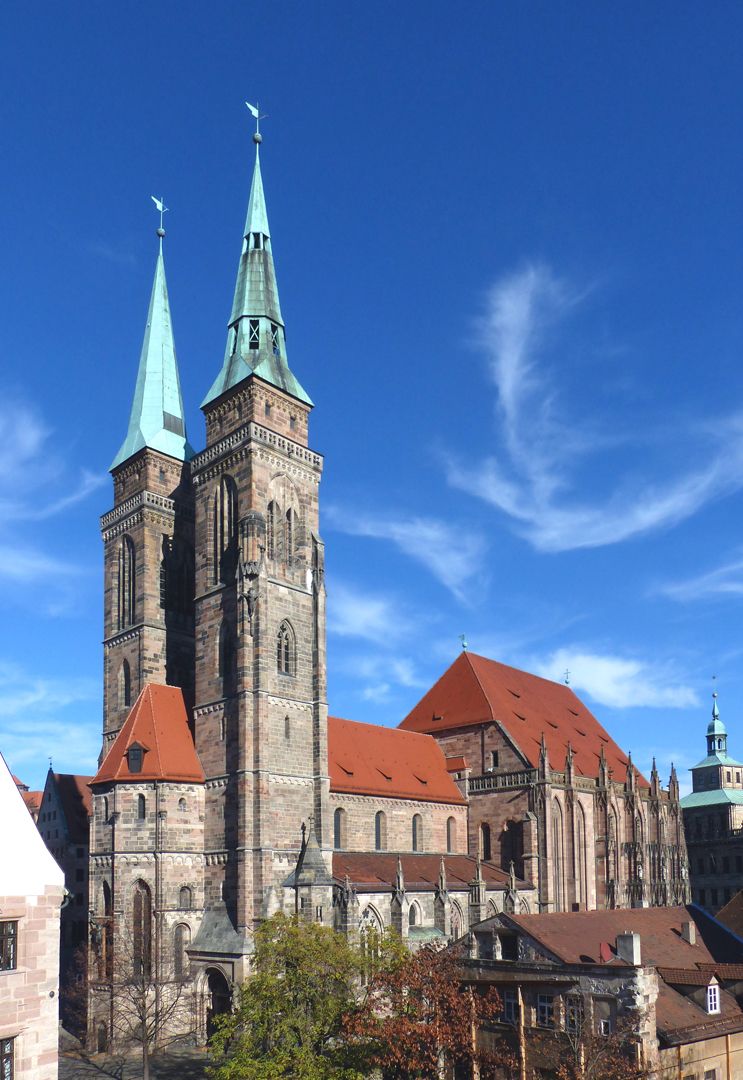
[
  {"x": 463, "y": 639},
  {"x": 256, "y": 113},
  {"x": 160, "y": 204},
  {"x": 567, "y": 676}
]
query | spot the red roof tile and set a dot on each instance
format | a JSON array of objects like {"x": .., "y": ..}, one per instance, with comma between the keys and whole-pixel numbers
[
  {"x": 158, "y": 722},
  {"x": 680, "y": 1020},
  {"x": 456, "y": 764},
  {"x": 366, "y": 759},
  {"x": 727, "y": 972},
  {"x": 32, "y": 800},
  {"x": 19, "y": 784},
  {"x": 475, "y": 690},
  {"x": 378, "y": 870},
  {"x": 576, "y": 936},
  {"x": 687, "y": 976}
]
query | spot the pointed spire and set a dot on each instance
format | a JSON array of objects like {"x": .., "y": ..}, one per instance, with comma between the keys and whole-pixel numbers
[
  {"x": 157, "y": 417},
  {"x": 256, "y": 340},
  {"x": 442, "y": 876}
]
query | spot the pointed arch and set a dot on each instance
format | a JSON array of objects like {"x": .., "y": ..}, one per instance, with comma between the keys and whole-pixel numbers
[
  {"x": 457, "y": 920},
  {"x": 141, "y": 807},
  {"x": 581, "y": 857},
  {"x": 273, "y": 517},
  {"x": 142, "y": 930},
  {"x": 286, "y": 649},
  {"x": 127, "y": 582},
  {"x": 125, "y": 685},
  {"x": 558, "y": 858},
  {"x": 225, "y": 531},
  {"x": 181, "y": 941},
  {"x": 290, "y": 534},
  {"x": 414, "y": 914}
]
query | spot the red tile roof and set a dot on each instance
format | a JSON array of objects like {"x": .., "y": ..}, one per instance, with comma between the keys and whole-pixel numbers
[
  {"x": 456, "y": 764},
  {"x": 680, "y": 1020},
  {"x": 378, "y": 870},
  {"x": 726, "y": 972},
  {"x": 32, "y": 800},
  {"x": 475, "y": 690},
  {"x": 576, "y": 936},
  {"x": 19, "y": 784},
  {"x": 158, "y": 723},
  {"x": 366, "y": 759}
]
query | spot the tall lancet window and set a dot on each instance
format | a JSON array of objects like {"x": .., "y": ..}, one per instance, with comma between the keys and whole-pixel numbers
[
  {"x": 127, "y": 582},
  {"x": 142, "y": 928},
  {"x": 291, "y": 533},
  {"x": 225, "y": 531},
  {"x": 285, "y": 650},
  {"x": 273, "y": 519}
]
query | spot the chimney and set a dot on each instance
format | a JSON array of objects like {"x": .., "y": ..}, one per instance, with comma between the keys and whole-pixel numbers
[
  {"x": 689, "y": 932},
  {"x": 628, "y": 947}
]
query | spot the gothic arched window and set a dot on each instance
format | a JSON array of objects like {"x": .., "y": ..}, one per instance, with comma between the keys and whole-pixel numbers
[
  {"x": 181, "y": 941},
  {"x": 141, "y": 807},
  {"x": 581, "y": 856},
  {"x": 127, "y": 583},
  {"x": 451, "y": 835},
  {"x": 273, "y": 517},
  {"x": 558, "y": 859},
  {"x": 339, "y": 829},
  {"x": 142, "y": 930},
  {"x": 380, "y": 831},
  {"x": 290, "y": 534},
  {"x": 417, "y": 836},
  {"x": 225, "y": 531},
  {"x": 125, "y": 685},
  {"x": 285, "y": 650}
]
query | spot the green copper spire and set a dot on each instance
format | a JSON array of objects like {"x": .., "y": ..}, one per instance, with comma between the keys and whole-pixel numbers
[
  {"x": 156, "y": 418},
  {"x": 256, "y": 341}
]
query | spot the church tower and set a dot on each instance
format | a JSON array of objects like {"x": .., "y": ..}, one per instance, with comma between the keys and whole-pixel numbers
[
  {"x": 148, "y": 535},
  {"x": 260, "y": 715}
]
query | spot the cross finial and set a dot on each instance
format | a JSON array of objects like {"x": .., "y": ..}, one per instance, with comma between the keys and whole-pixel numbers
[
  {"x": 463, "y": 639},
  {"x": 714, "y": 686},
  {"x": 255, "y": 112},
  {"x": 567, "y": 676}
]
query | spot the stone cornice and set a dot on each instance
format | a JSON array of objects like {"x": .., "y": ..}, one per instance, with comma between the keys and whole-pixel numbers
[{"x": 234, "y": 446}]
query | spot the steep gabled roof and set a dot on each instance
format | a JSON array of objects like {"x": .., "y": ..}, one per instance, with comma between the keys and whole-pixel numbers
[
  {"x": 366, "y": 759},
  {"x": 374, "y": 870},
  {"x": 475, "y": 690},
  {"x": 159, "y": 724}
]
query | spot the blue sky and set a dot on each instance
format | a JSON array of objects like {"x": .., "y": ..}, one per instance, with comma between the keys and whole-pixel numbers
[{"x": 509, "y": 246}]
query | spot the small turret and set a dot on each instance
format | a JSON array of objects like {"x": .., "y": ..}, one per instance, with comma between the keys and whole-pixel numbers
[{"x": 717, "y": 736}]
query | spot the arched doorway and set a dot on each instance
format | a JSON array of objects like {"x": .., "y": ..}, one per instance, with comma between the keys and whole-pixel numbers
[{"x": 218, "y": 998}]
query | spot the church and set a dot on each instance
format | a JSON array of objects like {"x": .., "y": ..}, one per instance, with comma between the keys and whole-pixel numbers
[{"x": 225, "y": 793}]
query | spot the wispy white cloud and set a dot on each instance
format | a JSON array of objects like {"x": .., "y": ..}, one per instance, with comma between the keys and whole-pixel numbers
[
  {"x": 533, "y": 479},
  {"x": 725, "y": 580},
  {"x": 103, "y": 250},
  {"x": 454, "y": 555},
  {"x": 616, "y": 681},
  {"x": 371, "y": 616},
  {"x": 23, "y": 565}
]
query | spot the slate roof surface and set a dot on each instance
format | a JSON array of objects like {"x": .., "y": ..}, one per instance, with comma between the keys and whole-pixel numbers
[
  {"x": 576, "y": 936},
  {"x": 378, "y": 869},
  {"x": 158, "y": 722},
  {"x": 367, "y": 759},
  {"x": 474, "y": 690},
  {"x": 77, "y": 804}
]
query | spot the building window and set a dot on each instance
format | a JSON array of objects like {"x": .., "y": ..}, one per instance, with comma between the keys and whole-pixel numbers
[
  {"x": 142, "y": 930},
  {"x": 105, "y": 809},
  {"x": 225, "y": 531},
  {"x": 267, "y": 408},
  {"x": 726, "y": 864},
  {"x": 510, "y": 1007},
  {"x": 339, "y": 829},
  {"x": 182, "y": 806},
  {"x": 380, "y": 831},
  {"x": 185, "y": 898},
  {"x": 604, "y": 1026},
  {"x": 545, "y": 1010},
  {"x": 227, "y": 668},
  {"x": 574, "y": 1013},
  {"x": 417, "y": 832},
  {"x": 275, "y": 339},
  {"x": 713, "y": 998},
  {"x": 413, "y": 915},
  {"x": 451, "y": 834},
  {"x": 7, "y": 1056},
  {"x": 290, "y": 533},
  {"x": 254, "y": 335},
  {"x": 493, "y": 759},
  {"x": 287, "y": 727},
  {"x": 141, "y": 807},
  {"x": 710, "y": 1074},
  {"x": 486, "y": 852},
  {"x": 285, "y": 650},
  {"x": 292, "y": 423},
  {"x": 125, "y": 685},
  {"x": 181, "y": 941},
  {"x": 8, "y": 945},
  {"x": 134, "y": 758},
  {"x": 272, "y": 521},
  {"x": 127, "y": 586}
]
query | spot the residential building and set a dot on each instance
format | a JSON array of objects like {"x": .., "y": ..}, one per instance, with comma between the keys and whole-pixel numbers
[
  {"x": 31, "y": 894},
  {"x": 32, "y": 799},
  {"x": 663, "y": 984}
]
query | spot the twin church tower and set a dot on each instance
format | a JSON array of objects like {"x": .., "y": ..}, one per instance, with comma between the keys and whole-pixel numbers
[{"x": 214, "y": 584}]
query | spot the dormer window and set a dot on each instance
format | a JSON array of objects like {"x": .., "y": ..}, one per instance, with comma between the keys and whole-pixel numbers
[
  {"x": 275, "y": 339},
  {"x": 134, "y": 758},
  {"x": 254, "y": 336},
  {"x": 713, "y": 998}
]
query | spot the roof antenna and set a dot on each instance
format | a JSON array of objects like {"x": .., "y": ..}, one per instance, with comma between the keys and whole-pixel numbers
[
  {"x": 463, "y": 639},
  {"x": 567, "y": 676}
]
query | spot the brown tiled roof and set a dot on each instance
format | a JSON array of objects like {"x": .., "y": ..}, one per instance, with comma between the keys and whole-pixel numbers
[
  {"x": 731, "y": 915},
  {"x": 77, "y": 803},
  {"x": 456, "y": 764},
  {"x": 726, "y": 972},
  {"x": 19, "y": 784},
  {"x": 158, "y": 723},
  {"x": 576, "y": 936},
  {"x": 475, "y": 690},
  {"x": 679, "y": 1019},
  {"x": 32, "y": 799},
  {"x": 370, "y": 871},
  {"x": 686, "y": 976},
  {"x": 366, "y": 759}
]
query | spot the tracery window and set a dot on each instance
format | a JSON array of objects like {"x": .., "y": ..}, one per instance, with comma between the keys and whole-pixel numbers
[
  {"x": 225, "y": 531},
  {"x": 142, "y": 931},
  {"x": 290, "y": 533},
  {"x": 272, "y": 527},
  {"x": 127, "y": 583},
  {"x": 285, "y": 660}
]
